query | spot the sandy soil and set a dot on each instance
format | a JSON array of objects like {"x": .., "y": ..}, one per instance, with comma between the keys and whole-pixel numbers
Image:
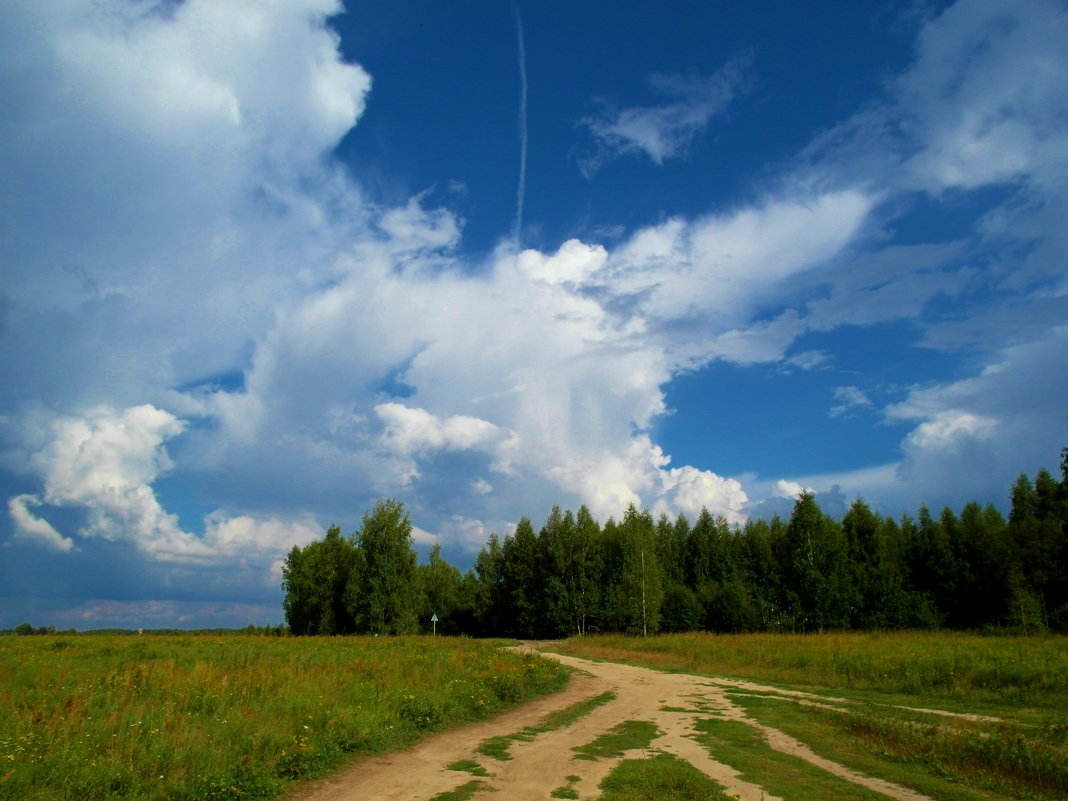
[{"x": 674, "y": 702}]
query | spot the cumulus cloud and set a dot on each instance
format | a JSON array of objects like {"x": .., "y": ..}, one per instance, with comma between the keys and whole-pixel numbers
[
  {"x": 236, "y": 310},
  {"x": 409, "y": 431},
  {"x": 790, "y": 489},
  {"x": 665, "y": 130},
  {"x": 575, "y": 261},
  {"x": 104, "y": 464},
  {"x": 157, "y": 152},
  {"x": 34, "y": 529},
  {"x": 241, "y": 534},
  {"x": 688, "y": 490}
]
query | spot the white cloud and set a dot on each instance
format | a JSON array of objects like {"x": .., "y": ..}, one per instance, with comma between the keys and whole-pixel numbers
[
  {"x": 722, "y": 264},
  {"x": 467, "y": 533},
  {"x": 666, "y": 130},
  {"x": 948, "y": 429},
  {"x": 986, "y": 95},
  {"x": 574, "y": 262},
  {"x": 34, "y": 529},
  {"x": 105, "y": 463},
  {"x": 809, "y": 360},
  {"x": 689, "y": 490},
  {"x": 224, "y": 269},
  {"x": 410, "y": 431},
  {"x": 242, "y": 534},
  {"x": 172, "y": 160},
  {"x": 423, "y": 537},
  {"x": 412, "y": 227},
  {"x": 790, "y": 489},
  {"x": 849, "y": 399}
]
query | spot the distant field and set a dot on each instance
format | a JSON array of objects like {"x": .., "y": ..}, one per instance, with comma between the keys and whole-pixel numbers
[{"x": 228, "y": 718}]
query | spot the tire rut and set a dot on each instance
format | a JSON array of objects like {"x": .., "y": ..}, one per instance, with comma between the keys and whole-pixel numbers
[{"x": 673, "y": 702}]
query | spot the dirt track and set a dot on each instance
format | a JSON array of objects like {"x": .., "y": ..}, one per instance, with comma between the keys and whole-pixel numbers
[{"x": 542, "y": 765}]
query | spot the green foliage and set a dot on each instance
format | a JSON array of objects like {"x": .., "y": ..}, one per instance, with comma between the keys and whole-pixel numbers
[
  {"x": 366, "y": 583},
  {"x": 680, "y": 610},
  {"x": 812, "y": 573},
  {"x": 315, "y": 579},
  {"x": 522, "y": 581},
  {"x": 817, "y": 584},
  {"x": 381, "y": 595}
]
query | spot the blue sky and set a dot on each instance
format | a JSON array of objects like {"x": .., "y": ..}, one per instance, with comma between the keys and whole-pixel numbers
[{"x": 266, "y": 262}]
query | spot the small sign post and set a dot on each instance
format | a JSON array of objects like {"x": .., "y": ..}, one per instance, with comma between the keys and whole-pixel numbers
[{"x": 434, "y": 620}]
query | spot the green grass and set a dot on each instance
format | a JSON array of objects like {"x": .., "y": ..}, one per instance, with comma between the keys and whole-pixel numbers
[
  {"x": 944, "y": 667},
  {"x": 628, "y": 735},
  {"x": 743, "y": 748},
  {"x": 1022, "y": 680},
  {"x": 461, "y": 793},
  {"x": 499, "y": 747},
  {"x": 1004, "y": 758},
  {"x": 662, "y": 778},
  {"x": 468, "y": 766},
  {"x": 841, "y": 737},
  {"x": 568, "y": 791},
  {"x": 560, "y": 718},
  {"x": 217, "y": 718}
]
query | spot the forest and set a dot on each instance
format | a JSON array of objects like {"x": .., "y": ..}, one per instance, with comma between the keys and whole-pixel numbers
[{"x": 969, "y": 570}]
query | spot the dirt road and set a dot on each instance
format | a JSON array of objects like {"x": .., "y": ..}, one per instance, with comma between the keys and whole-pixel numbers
[{"x": 674, "y": 702}]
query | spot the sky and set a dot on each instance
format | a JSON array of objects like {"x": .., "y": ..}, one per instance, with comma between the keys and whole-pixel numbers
[{"x": 265, "y": 262}]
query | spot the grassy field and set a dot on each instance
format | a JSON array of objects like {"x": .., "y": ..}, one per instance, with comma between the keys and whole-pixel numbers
[
  {"x": 229, "y": 718},
  {"x": 947, "y": 667},
  {"x": 1020, "y": 681}
]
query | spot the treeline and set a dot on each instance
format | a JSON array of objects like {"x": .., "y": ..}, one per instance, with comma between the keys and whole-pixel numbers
[
  {"x": 251, "y": 629},
  {"x": 639, "y": 575}
]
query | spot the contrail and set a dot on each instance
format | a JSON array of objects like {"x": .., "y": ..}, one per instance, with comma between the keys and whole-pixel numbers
[{"x": 521, "y": 191}]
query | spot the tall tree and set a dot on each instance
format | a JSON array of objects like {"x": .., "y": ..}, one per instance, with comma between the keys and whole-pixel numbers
[
  {"x": 314, "y": 578},
  {"x": 671, "y": 547},
  {"x": 556, "y": 557},
  {"x": 490, "y": 598},
  {"x": 382, "y": 595},
  {"x": 816, "y": 568},
  {"x": 641, "y": 579},
  {"x": 522, "y": 590},
  {"x": 761, "y": 548},
  {"x": 587, "y": 571},
  {"x": 440, "y": 584}
]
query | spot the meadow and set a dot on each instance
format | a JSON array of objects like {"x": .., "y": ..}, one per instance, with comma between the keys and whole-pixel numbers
[
  {"x": 223, "y": 718},
  {"x": 963, "y": 670},
  {"x": 1007, "y": 736}
]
